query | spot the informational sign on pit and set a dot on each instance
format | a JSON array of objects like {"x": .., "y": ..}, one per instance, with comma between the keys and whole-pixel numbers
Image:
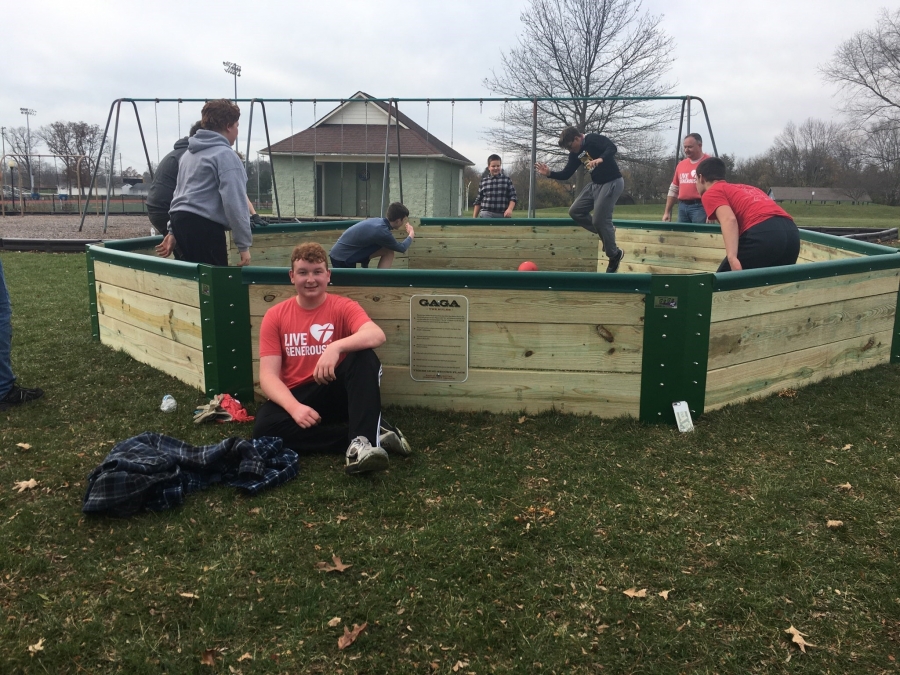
[{"x": 439, "y": 338}]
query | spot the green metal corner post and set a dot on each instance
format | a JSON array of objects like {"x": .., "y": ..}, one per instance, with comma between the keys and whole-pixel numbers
[
  {"x": 225, "y": 329},
  {"x": 676, "y": 345},
  {"x": 895, "y": 342},
  {"x": 92, "y": 296}
]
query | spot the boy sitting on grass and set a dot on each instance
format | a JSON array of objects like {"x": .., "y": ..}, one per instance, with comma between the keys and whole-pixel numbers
[{"x": 318, "y": 368}]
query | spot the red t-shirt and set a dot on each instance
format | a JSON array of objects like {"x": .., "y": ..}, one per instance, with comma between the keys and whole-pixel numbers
[
  {"x": 686, "y": 178},
  {"x": 299, "y": 336},
  {"x": 751, "y": 205}
]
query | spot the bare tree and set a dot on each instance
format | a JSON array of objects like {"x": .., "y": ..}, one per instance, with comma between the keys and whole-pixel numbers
[
  {"x": 867, "y": 67},
  {"x": 806, "y": 156},
  {"x": 583, "y": 48},
  {"x": 17, "y": 139},
  {"x": 73, "y": 138}
]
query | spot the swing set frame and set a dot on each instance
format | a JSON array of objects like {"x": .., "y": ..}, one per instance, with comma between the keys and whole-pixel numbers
[{"x": 684, "y": 128}]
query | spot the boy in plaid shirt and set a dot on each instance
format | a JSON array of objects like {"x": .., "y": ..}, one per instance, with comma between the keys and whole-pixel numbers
[{"x": 496, "y": 194}]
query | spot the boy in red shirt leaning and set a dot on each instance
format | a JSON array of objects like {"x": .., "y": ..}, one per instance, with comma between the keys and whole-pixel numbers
[
  {"x": 318, "y": 369},
  {"x": 757, "y": 232}
]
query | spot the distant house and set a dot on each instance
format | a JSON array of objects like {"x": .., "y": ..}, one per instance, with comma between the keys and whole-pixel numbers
[
  {"x": 336, "y": 166},
  {"x": 818, "y": 195}
]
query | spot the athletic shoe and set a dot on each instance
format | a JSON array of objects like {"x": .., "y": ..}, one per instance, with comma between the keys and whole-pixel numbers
[
  {"x": 362, "y": 457},
  {"x": 614, "y": 262},
  {"x": 393, "y": 440},
  {"x": 18, "y": 396}
]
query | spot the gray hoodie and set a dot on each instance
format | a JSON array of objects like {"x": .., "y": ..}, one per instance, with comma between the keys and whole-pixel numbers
[{"x": 212, "y": 183}]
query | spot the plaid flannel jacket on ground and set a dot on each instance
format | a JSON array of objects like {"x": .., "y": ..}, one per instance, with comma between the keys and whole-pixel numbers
[
  {"x": 155, "y": 472},
  {"x": 495, "y": 193}
]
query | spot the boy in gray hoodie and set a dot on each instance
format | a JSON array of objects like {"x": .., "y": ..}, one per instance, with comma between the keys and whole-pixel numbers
[{"x": 211, "y": 194}]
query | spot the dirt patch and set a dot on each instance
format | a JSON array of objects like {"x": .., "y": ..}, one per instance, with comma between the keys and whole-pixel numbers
[{"x": 66, "y": 227}]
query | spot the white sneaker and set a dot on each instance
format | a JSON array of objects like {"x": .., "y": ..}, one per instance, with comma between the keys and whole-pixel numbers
[
  {"x": 393, "y": 440},
  {"x": 362, "y": 457}
]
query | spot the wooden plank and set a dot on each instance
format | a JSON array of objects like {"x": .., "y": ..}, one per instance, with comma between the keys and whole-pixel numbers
[
  {"x": 526, "y": 346},
  {"x": 675, "y": 256},
  {"x": 173, "y": 358},
  {"x": 641, "y": 268},
  {"x": 609, "y": 395},
  {"x": 184, "y": 291},
  {"x": 751, "y": 338},
  {"x": 494, "y": 231},
  {"x": 762, "y": 377},
  {"x": 503, "y": 264},
  {"x": 504, "y": 248},
  {"x": 818, "y": 252},
  {"x": 671, "y": 239},
  {"x": 612, "y": 395},
  {"x": 728, "y": 305},
  {"x": 171, "y": 320},
  {"x": 484, "y": 304}
]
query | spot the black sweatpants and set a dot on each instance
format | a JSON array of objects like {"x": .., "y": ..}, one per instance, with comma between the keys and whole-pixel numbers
[
  {"x": 349, "y": 407},
  {"x": 200, "y": 239},
  {"x": 772, "y": 243}
]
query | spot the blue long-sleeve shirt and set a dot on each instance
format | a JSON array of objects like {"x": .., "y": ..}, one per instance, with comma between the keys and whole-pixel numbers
[{"x": 372, "y": 232}]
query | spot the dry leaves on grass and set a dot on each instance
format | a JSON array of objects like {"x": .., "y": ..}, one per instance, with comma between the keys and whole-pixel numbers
[
  {"x": 23, "y": 485},
  {"x": 664, "y": 594},
  {"x": 338, "y": 566},
  {"x": 24, "y": 446},
  {"x": 208, "y": 657},
  {"x": 336, "y": 621},
  {"x": 844, "y": 486},
  {"x": 831, "y": 461},
  {"x": 848, "y": 446},
  {"x": 36, "y": 647},
  {"x": 349, "y": 636},
  {"x": 522, "y": 419},
  {"x": 190, "y": 596},
  {"x": 245, "y": 657},
  {"x": 797, "y": 638},
  {"x": 834, "y": 524},
  {"x": 460, "y": 664},
  {"x": 634, "y": 593}
]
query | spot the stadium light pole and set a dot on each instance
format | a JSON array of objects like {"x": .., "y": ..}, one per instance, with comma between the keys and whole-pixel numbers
[
  {"x": 233, "y": 69},
  {"x": 28, "y": 112}
]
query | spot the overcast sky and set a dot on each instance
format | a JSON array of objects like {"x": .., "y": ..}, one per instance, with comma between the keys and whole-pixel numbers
[{"x": 754, "y": 63}]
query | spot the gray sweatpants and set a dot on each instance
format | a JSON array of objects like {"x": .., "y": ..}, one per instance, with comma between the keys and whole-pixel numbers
[{"x": 601, "y": 199}]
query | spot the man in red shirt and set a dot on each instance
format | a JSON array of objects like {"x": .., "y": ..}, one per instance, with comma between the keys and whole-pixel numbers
[
  {"x": 684, "y": 185},
  {"x": 757, "y": 232},
  {"x": 318, "y": 369}
]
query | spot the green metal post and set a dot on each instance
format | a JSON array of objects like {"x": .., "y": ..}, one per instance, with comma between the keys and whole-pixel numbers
[
  {"x": 225, "y": 330},
  {"x": 92, "y": 296},
  {"x": 676, "y": 345},
  {"x": 895, "y": 342}
]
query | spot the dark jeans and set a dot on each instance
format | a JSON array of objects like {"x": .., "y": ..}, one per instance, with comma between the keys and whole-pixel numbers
[
  {"x": 771, "y": 243},
  {"x": 200, "y": 239},
  {"x": 349, "y": 407}
]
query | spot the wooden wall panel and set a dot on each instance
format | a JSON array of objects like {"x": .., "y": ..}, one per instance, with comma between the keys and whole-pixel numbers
[
  {"x": 762, "y": 377},
  {"x": 183, "y": 291},
  {"x": 763, "y": 335},
  {"x": 178, "y": 360},
  {"x": 158, "y": 316},
  {"x": 779, "y": 297}
]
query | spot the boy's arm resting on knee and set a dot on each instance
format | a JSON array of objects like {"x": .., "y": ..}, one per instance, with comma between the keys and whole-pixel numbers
[
  {"x": 277, "y": 391},
  {"x": 369, "y": 336}
]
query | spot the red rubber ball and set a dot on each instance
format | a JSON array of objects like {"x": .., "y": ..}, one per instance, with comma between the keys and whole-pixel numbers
[{"x": 528, "y": 266}]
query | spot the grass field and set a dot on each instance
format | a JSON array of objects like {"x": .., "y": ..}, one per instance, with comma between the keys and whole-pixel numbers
[{"x": 505, "y": 544}]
